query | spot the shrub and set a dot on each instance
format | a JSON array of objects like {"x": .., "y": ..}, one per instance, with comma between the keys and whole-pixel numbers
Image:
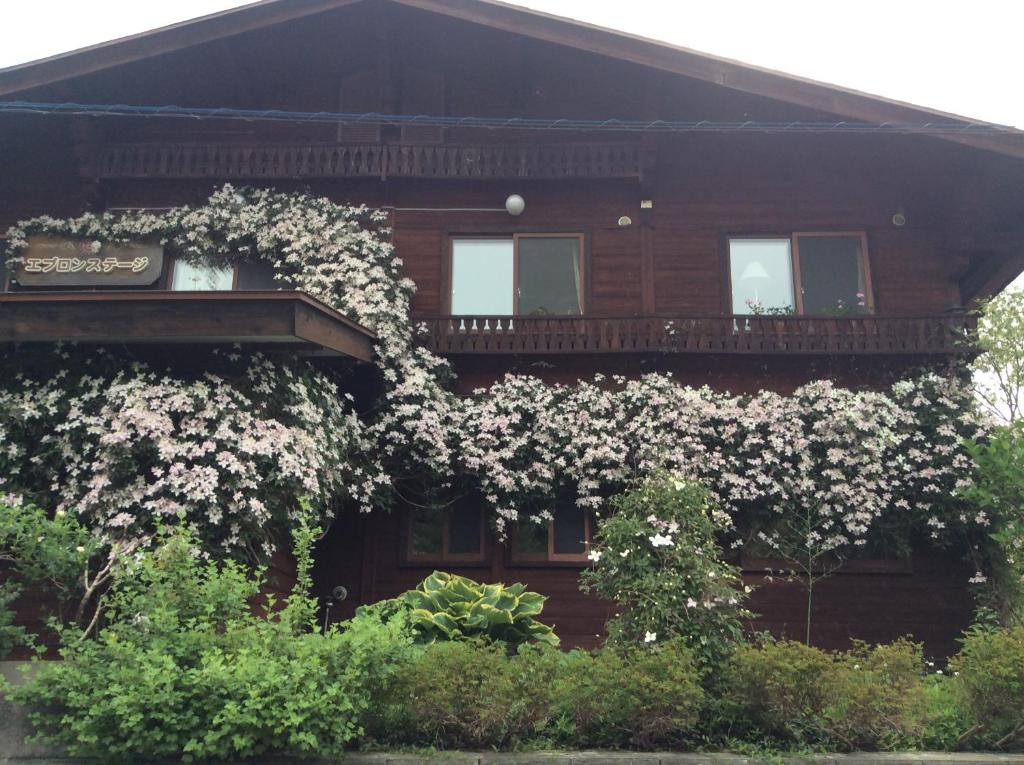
[
  {"x": 448, "y": 607},
  {"x": 878, "y": 700},
  {"x": 990, "y": 683},
  {"x": 641, "y": 697},
  {"x": 867, "y": 698},
  {"x": 471, "y": 694},
  {"x": 656, "y": 556},
  {"x": 945, "y": 718},
  {"x": 11, "y": 634},
  {"x": 185, "y": 668}
]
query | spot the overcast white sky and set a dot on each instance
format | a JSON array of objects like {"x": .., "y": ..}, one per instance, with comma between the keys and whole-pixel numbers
[{"x": 961, "y": 57}]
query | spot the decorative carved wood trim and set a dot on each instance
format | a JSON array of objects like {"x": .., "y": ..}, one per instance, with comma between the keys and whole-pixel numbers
[
  {"x": 810, "y": 335},
  {"x": 539, "y": 161}
]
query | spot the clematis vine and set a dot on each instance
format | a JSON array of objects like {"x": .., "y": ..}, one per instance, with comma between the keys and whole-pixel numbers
[{"x": 231, "y": 451}]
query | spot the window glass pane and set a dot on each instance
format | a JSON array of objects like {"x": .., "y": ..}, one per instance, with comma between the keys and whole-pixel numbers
[
  {"x": 426, "y": 530},
  {"x": 549, "y": 275},
  {"x": 257, "y": 275},
  {"x": 570, "y": 529},
  {"x": 831, "y": 275},
  {"x": 761, "y": 271},
  {"x": 482, "y": 276},
  {"x": 465, "y": 528},
  {"x": 532, "y": 539},
  {"x": 190, "y": 277}
]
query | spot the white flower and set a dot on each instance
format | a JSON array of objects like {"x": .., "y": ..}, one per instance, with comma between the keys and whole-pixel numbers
[
  {"x": 650, "y": 637},
  {"x": 624, "y": 553},
  {"x": 80, "y": 549},
  {"x": 660, "y": 540},
  {"x": 691, "y": 603},
  {"x": 594, "y": 555}
]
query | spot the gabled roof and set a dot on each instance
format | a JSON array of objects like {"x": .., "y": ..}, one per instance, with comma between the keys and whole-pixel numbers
[{"x": 727, "y": 73}]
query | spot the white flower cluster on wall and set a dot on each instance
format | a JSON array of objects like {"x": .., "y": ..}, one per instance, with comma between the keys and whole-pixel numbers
[
  {"x": 230, "y": 451},
  {"x": 229, "y": 454}
]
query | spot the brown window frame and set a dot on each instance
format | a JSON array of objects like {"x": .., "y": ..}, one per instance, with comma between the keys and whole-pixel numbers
[
  {"x": 412, "y": 558},
  {"x": 516, "y": 237},
  {"x": 517, "y": 557},
  {"x": 794, "y": 254}
]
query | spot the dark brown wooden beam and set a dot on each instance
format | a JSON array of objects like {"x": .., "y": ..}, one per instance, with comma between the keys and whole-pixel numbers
[{"x": 990, "y": 275}]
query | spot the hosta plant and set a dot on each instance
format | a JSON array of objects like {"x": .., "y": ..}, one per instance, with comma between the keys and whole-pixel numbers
[{"x": 448, "y": 607}]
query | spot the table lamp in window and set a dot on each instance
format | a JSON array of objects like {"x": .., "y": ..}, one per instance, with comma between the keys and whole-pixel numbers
[{"x": 755, "y": 274}]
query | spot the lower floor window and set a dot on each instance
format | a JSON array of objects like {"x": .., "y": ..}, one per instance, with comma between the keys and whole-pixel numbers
[
  {"x": 566, "y": 537},
  {"x": 446, "y": 535}
]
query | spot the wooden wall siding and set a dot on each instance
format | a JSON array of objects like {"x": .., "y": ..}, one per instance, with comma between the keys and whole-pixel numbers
[
  {"x": 932, "y": 603},
  {"x": 615, "y": 283}
]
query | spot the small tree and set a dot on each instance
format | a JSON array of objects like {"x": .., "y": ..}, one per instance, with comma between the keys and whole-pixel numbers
[
  {"x": 999, "y": 370},
  {"x": 55, "y": 552},
  {"x": 656, "y": 556},
  {"x": 805, "y": 539},
  {"x": 998, "y": 492}
]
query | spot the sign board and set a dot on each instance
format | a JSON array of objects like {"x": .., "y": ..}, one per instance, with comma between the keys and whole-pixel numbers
[{"x": 50, "y": 261}]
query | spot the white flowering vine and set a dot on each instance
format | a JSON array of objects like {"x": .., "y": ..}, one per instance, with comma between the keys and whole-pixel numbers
[{"x": 219, "y": 453}]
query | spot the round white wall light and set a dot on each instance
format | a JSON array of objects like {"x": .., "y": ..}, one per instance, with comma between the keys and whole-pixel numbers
[{"x": 515, "y": 204}]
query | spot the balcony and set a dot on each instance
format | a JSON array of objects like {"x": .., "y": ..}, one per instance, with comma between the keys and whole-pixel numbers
[{"x": 819, "y": 335}]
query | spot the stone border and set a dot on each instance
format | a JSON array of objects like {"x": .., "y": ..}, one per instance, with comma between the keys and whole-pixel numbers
[{"x": 596, "y": 758}]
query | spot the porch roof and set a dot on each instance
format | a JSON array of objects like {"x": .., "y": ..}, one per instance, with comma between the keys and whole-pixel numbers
[{"x": 291, "y": 320}]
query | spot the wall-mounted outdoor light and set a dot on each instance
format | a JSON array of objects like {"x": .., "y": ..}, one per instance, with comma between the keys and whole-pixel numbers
[{"x": 515, "y": 204}]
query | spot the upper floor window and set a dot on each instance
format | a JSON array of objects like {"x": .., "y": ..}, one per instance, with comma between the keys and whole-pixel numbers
[
  {"x": 808, "y": 273},
  {"x": 200, "y": 278},
  {"x": 244, "y": 275},
  {"x": 523, "y": 275}
]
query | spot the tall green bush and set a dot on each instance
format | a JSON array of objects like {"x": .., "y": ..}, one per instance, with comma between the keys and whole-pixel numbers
[
  {"x": 656, "y": 556},
  {"x": 185, "y": 668}
]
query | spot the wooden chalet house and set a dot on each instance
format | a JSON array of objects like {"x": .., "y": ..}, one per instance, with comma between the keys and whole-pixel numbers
[{"x": 698, "y": 235}]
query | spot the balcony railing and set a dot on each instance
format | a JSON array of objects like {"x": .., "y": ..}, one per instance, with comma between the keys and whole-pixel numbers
[
  {"x": 947, "y": 334},
  {"x": 543, "y": 161}
]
